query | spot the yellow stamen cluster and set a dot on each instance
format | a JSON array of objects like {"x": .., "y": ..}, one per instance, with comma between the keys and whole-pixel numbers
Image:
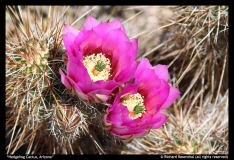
[
  {"x": 91, "y": 61},
  {"x": 131, "y": 102}
]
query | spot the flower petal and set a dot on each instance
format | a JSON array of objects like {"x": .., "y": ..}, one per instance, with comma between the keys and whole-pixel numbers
[
  {"x": 91, "y": 46},
  {"x": 88, "y": 41},
  {"x": 90, "y": 23},
  {"x": 79, "y": 92},
  {"x": 102, "y": 29},
  {"x": 118, "y": 130},
  {"x": 70, "y": 29},
  {"x": 127, "y": 47},
  {"x": 115, "y": 117},
  {"x": 101, "y": 98},
  {"x": 162, "y": 72},
  {"x": 158, "y": 120},
  {"x": 144, "y": 72},
  {"x": 124, "y": 74},
  {"x": 64, "y": 79},
  {"x": 106, "y": 125},
  {"x": 71, "y": 48},
  {"x": 99, "y": 95},
  {"x": 135, "y": 45},
  {"x": 116, "y": 24},
  {"x": 100, "y": 86},
  {"x": 109, "y": 43},
  {"x": 173, "y": 95},
  {"x": 78, "y": 72},
  {"x": 127, "y": 138}
]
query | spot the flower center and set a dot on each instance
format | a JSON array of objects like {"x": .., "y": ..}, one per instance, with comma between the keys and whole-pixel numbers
[
  {"x": 135, "y": 105},
  {"x": 98, "y": 66}
]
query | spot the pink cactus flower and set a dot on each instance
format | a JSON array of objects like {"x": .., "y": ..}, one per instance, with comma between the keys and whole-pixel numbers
[
  {"x": 100, "y": 58},
  {"x": 139, "y": 106}
]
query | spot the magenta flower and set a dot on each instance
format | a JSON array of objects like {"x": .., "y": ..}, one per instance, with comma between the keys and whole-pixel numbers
[
  {"x": 138, "y": 107},
  {"x": 100, "y": 58}
]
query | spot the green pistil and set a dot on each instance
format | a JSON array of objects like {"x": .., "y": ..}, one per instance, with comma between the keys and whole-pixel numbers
[
  {"x": 138, "y": 109},
  {"x": 100, "y": 66}
]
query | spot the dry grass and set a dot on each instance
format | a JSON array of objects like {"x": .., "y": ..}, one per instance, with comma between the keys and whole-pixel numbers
[{"x": 42, "y": 117}]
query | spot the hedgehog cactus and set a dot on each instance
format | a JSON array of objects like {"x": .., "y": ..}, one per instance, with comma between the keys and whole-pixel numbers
[
  {"x": 35, "y": 55},
  {"x": 62, "y": 79},
  {"x": 28, "y": 77},
  {"x": 67, "y": 122}
]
